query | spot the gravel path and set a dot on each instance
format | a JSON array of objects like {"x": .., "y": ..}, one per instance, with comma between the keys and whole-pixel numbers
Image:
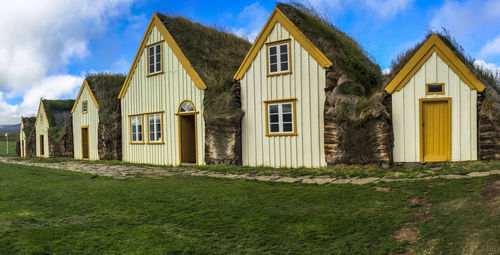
[{"x": 124, "y": 172}]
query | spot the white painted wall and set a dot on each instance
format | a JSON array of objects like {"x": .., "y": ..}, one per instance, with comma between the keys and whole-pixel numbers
[
  {"x": 405, "y": 117},
  {"x": 306, "y": 83},
  {"x": 42, "y": 128},
  {"x": 163, "y": 92},
  {"x": 90, "y": 119},
  {"x": 22, "y": 137}
]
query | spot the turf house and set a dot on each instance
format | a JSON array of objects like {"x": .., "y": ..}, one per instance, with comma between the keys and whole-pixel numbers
[
  {"x": 96, "y": 118},
  {"x": 53, "y": 133},
  {"x": 177, "y": 105},
  {"x": 25, "y": 137},
  {"x": 310, "y": 96},
  {"x": 443, "y": 107}
]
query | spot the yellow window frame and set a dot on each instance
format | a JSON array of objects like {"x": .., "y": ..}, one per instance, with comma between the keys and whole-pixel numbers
[
  {"x": 161, "y": 124},
  {"x": 161, "y": 58},
  {"x": 275, "y": 43},
  {"x": 294, "y": 115},
  {"x": 427, "y": 92},
  {"x": 130, "y": 128}
]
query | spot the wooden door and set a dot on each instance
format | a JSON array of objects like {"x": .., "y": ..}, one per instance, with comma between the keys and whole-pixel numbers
[
  {"x": 435, "y": 129},
  {"x": 22, "y": 149},
  {"x": 188, "y": 139},
  {"x": 85, "y": 142},
  {"x": 42, "y": 146}
]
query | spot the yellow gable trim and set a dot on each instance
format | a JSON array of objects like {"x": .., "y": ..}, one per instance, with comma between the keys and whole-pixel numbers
[
  {"x": 278, "y": 16},
  {"x": 85, "y": 85},
  {"x": 41, "y": 107},
  {"x": 434, "y": 44},
  {"x": 156, "y": 22}
]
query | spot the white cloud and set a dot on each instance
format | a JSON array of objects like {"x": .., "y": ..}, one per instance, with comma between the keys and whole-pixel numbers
[
  {"x": 468, "y": 19},
  {"x": 251, "y": 20},
  {"x": 40, "y": 38},
  {"x": 494, "y": 69},
  {"x": 492, "y": 48},
  {"x": 386, "y": 71}
]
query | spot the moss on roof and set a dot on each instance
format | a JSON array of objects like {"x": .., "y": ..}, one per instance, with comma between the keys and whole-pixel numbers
[
  {"x": 28, "y": 126},
  {"x": 342, "y": 50},
  {"x": 214, "y": 54},
  {"x": 58, "y": 114},
  {"x": 106, "y": 87},
  {"x": 487, "y": 78}
]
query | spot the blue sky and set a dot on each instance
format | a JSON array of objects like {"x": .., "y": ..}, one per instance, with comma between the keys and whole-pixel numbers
[{"x": 50, "y": 45}]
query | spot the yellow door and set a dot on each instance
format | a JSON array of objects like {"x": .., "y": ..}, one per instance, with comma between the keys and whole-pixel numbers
[{"x": 435, "y": 129}]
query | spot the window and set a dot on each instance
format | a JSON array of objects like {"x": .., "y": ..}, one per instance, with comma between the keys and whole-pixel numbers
[
  {"x": 280, "y": 116},
  {"x": 154, "y": 56},
  {"x": 136, "y": 129},
  {"x": 278, "y": 58},
  {"x": 155, "y": 127},
  {"x": 84, "y": 106},
  {"x": 434, "y": 89},
  {"x": 186, "y": 107}
]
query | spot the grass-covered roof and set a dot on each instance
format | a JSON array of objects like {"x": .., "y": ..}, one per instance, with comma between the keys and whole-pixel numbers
[
  {"x": 106, "y": 87},
  {"x": 28, "y": 125},
  {"x": 58, "y": 111},
  {"x": 342, "y": 50},
  {"x": 487, "y": 78},
  {"x": 214, "y": 54}
]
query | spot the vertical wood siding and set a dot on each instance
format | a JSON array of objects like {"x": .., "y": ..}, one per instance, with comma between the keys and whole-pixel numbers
[
  {"x": 306, "y": 83},
  {"x": 22, "y": 137},
  {"x": 42, "y": 128},
  {"x": 90, "y": 119},
  {"x": 405, "y": 109},
  {"x": 163, "y": 92}
]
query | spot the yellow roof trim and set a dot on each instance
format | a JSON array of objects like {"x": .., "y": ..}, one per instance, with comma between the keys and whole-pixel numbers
[
  {"x": 278, "y": 16},
  {"x": 44, "y": 113},
  {"x": 434, "y": 44},
  {"x": 156, "y": 22},
  {"x": 85, "y": 85}
]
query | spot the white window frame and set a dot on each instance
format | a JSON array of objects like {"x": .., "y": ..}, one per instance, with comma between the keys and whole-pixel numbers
[
  {"x": 157, "y": 133},
  {"x": 134, "y": 136},
  {"x": 157, "y": 58},
  {"x": 278, "y": 45},
  {"x": 280, "y": 114}
]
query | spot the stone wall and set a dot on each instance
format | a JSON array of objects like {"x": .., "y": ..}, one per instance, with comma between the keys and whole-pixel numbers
[
  {"x": 223, "y": 132},
  {"x": 31, "y": 145},
  {"x": 63, "y": 147},
  {"x": 110, "y": 138},
  {"x": 357, "y": 130},
  {"x": 489, "y": 125}
]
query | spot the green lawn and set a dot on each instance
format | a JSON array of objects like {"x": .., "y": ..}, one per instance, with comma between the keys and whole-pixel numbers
[
  {"x": 12, "y": 148},
  {"x": 48, "y": 211}
]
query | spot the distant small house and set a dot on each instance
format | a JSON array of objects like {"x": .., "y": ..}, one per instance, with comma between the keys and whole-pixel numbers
[
  {"x": 435, "y": 106},
  {"x": 25, "y": 133},
  {"x": 180, "y": 68},
  {"x": 52, "y": 138},
  {"x": 296, "y": 63},
  {"x": 96, "y": 118}
]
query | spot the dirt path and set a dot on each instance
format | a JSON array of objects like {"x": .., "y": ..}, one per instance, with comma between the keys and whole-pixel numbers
[{"x": 124, "y": 172}]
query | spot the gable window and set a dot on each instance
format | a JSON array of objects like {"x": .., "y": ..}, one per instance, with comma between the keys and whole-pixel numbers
[
  {"x": 136, "y": 129},
  {"x": 84, "y": 106},
  {"x": 154, "y": 59},
  {"x": 155, "y": 127},
  {"x": 281, "y": 117},
  {"x": 278, "y": 58},
  {"x": 434, "y": 89}
]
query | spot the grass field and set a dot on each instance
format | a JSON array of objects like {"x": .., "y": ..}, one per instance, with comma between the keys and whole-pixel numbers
[
  {"x": 12, "y": 148},
  {"x": 48, "y": 211}
]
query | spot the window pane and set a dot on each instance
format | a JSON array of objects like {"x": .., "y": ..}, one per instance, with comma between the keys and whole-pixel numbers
[
  {"x": 158, "y": 67},
  {"x": 284, "y": 48},
  {"x": 273, "y": 59},
  {"x": 158, "y": 136},
  {"x": 287, "y": 117},
  {"x": 158, "y": 48},
  {"x": 275, "y": 128},
  {"x": 158, "y": 127},
  {"x": 272, "y": 50},
  {"x": 274, "y": 68},
  {"x": 284, "y": 58},
  {"x": 435, "y": 88},
  {"x": 274, "y": 118},
  {"x": 284, "y": 66},
  {"x": 286, "y": 107},
  {"x": 273, "y": 108},
  {"x": 151, "y": 51},
  {"x": 139, "y": 137},
  {"x": 151, "y": 59},
  {"x": 151, "y": 68},
  {"x": 287, "y": 127}
]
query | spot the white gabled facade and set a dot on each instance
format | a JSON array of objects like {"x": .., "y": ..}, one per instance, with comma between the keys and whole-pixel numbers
[
  {"x": 162, "y": 94},
  {"x": 22, "y": 139},
  {"x": 303, "y": 84},
  {"x": 89, "y": 120},
  {"x": 42, "y": 132}
]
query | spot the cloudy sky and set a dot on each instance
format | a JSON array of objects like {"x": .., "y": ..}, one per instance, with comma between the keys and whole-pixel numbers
[{"x": 48, "y": 46}]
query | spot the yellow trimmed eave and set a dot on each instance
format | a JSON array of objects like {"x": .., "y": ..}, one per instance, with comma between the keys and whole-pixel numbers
[
  {"x": 279, "y": 16},
  {"x": 40, "y": 106},
  {"x": 156, "y": 22},
  {"x": 434, "y": 44},
  {"x": 85, "y": 85}
]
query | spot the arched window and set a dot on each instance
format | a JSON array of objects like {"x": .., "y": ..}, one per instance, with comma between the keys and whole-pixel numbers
[{"x": 186, "y": 107}]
